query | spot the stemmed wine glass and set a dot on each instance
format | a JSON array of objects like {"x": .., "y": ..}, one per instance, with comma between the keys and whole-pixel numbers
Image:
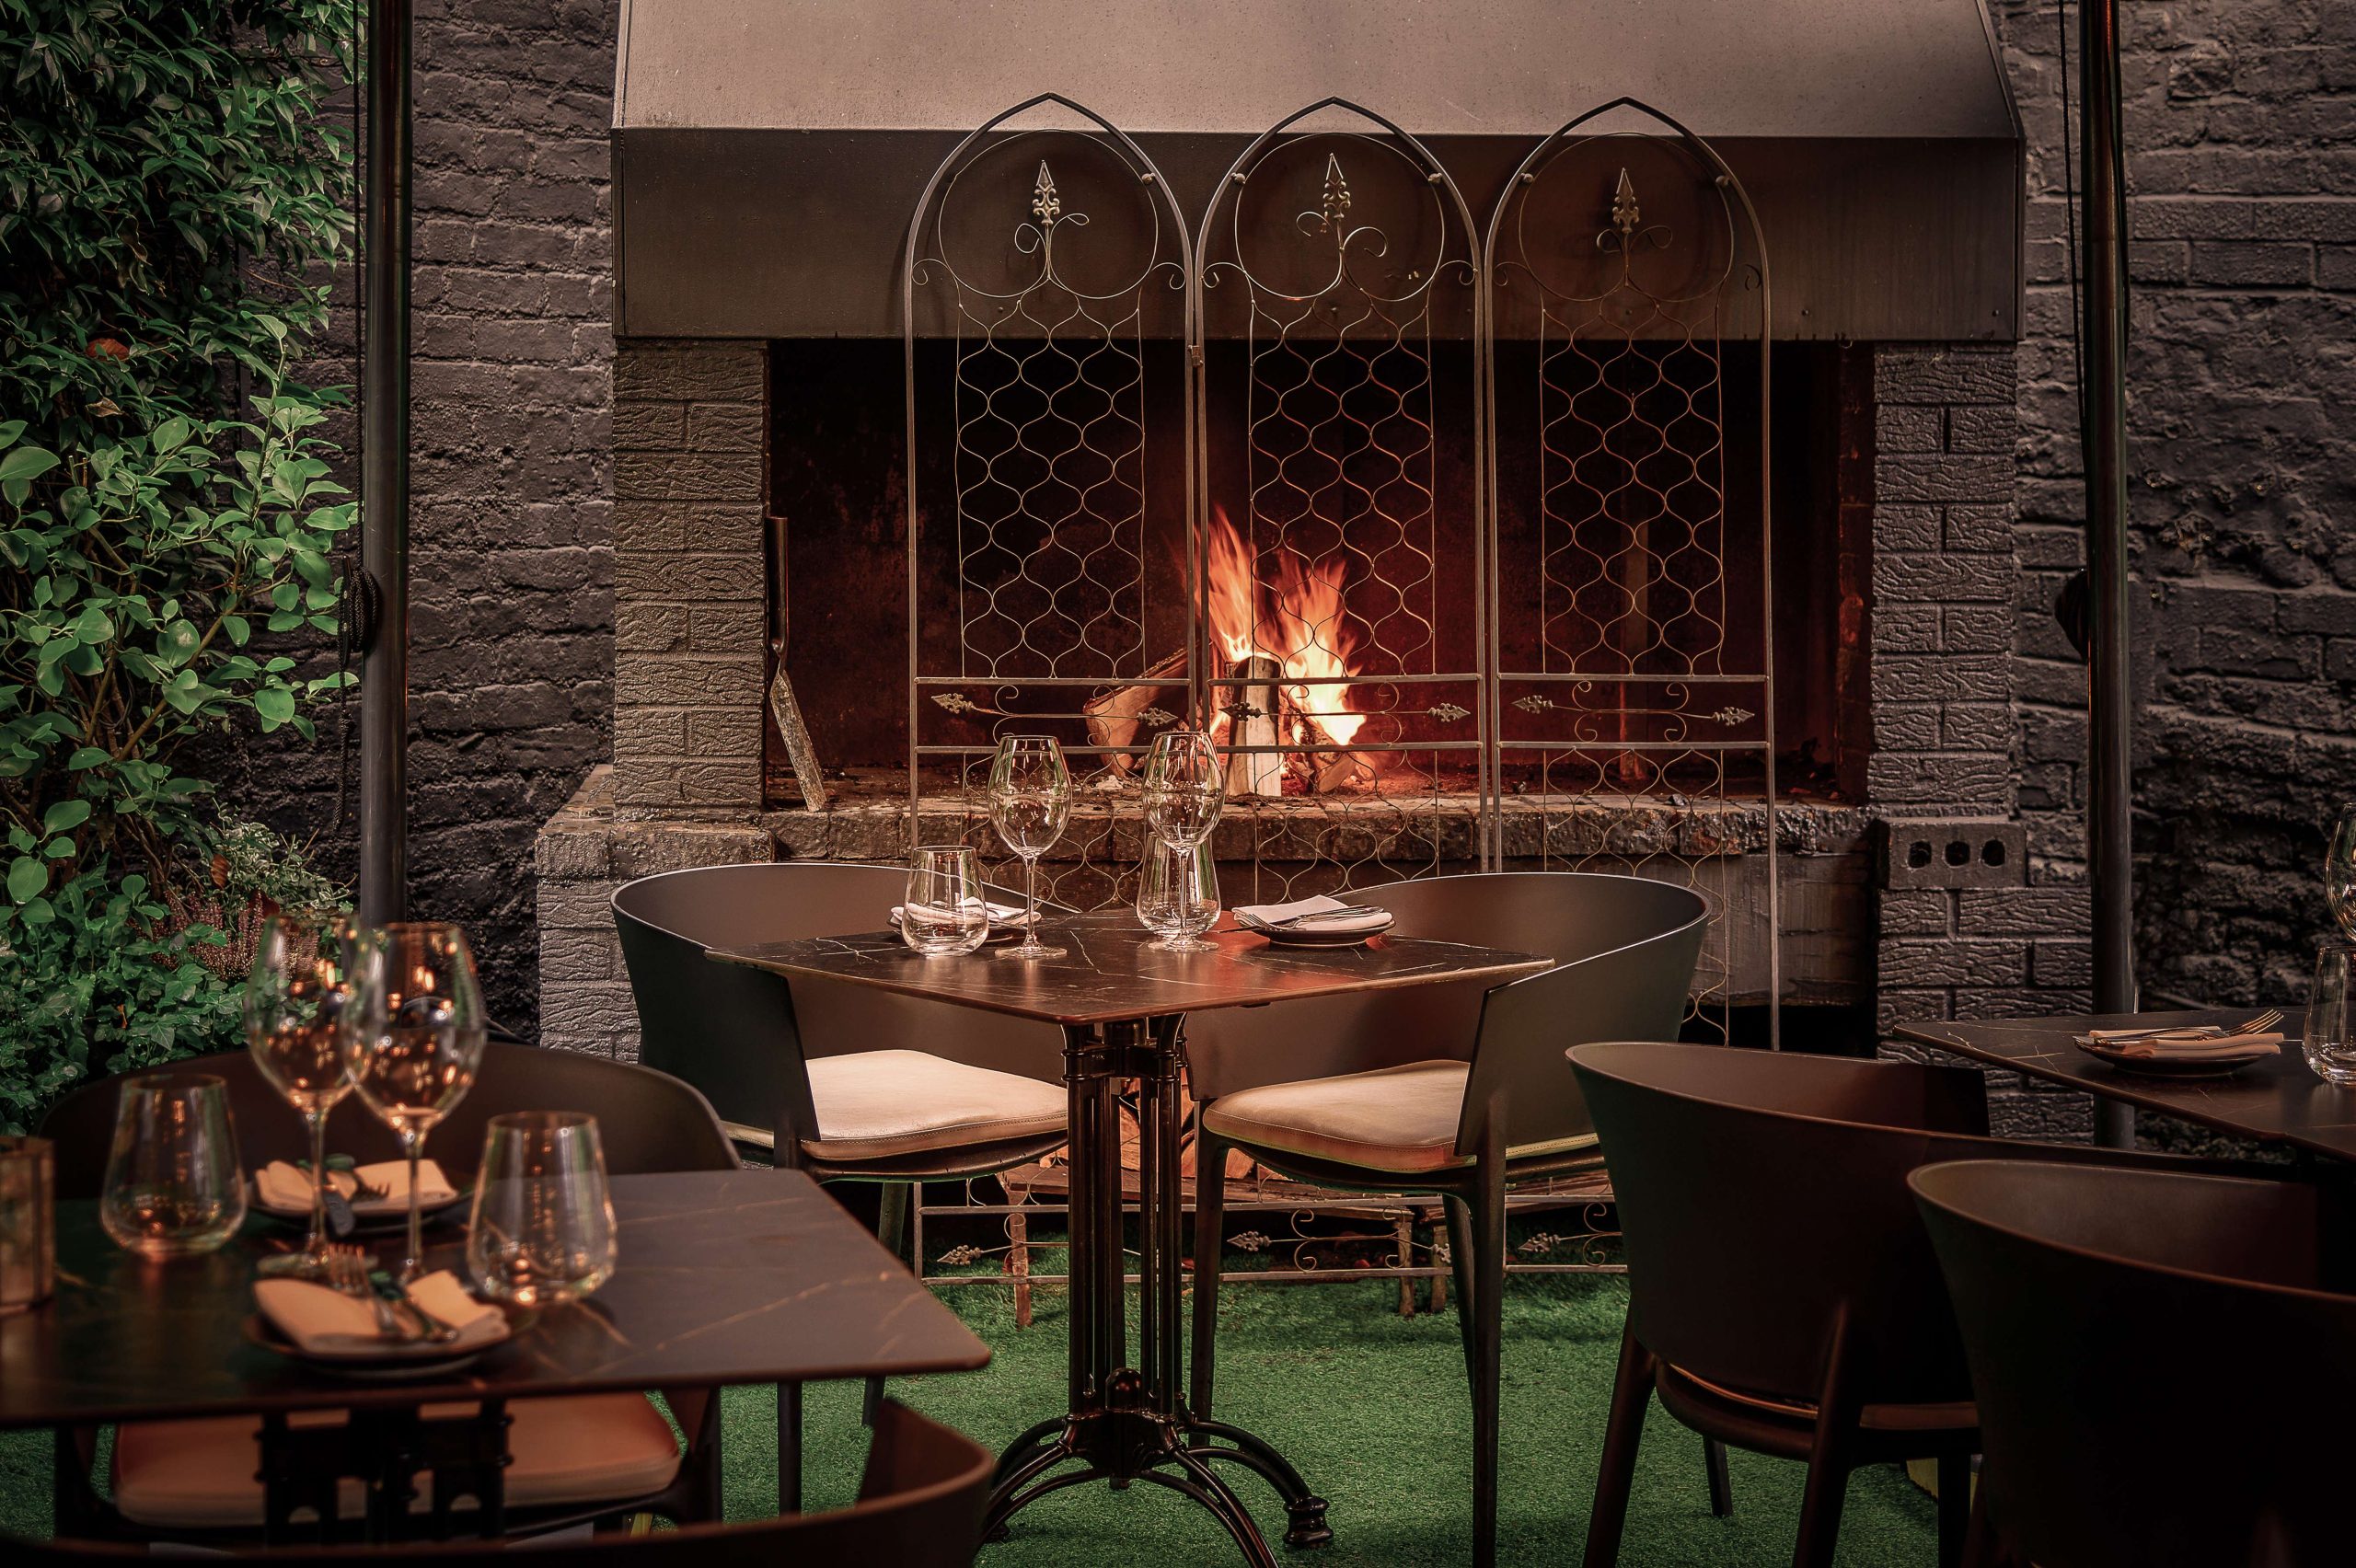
[
  {"x": 1030, "y": 801},
  {"x": 2339, "y": 872},
  {"x": 1184, "y": 792},
  {"x": 416, "y": 1013},
  {"x": 297, "y": 1036}
]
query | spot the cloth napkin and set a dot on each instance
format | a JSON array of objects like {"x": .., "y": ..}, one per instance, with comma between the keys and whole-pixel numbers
[
  {"x": 1001, "y": 913},
  {"x": 2197, "y": 1042},
  {"x": 324, "y": 1322},
  {"x": 282, "y": 1184},
  {"x": 1318, "y": 918}
]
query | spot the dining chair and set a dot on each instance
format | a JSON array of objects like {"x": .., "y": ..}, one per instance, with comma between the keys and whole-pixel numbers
[
  {"x": 2162, "y": 1363},
  {"x": 919, "y": 1506},
  {"x": 1456, "y": 1091},
  {"x": 1782, "y": 1297},
  {"x": 844, "y": 1082},
  {"x": 574, "y": 1456}
]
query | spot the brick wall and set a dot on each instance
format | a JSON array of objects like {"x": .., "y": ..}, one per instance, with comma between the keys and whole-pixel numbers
[{"x": 2241, "y": 125}]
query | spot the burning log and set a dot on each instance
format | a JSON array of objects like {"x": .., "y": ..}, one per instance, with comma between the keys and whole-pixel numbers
[
  {"x": 1337, "y": 771},
  {"x": 1251, "y": 723},
  {"x": 1114, "y": 717}
]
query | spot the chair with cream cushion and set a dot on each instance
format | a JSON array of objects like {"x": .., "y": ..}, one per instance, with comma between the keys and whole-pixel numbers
[
  {"x": 848, "y": 1083},
  {"x": 574, "y": 1456},
  {"x": 1459, "y": 1090}
]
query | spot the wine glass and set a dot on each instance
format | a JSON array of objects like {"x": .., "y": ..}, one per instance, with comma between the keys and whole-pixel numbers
[
  {"x": 543, "y": 1228},
  {"x": 2328, "y": 1041},
  {"x": 296, "y": 1034},
  {"x": 1185, "y": 788},
  {"x": 1030, "y": 801},
  {"x": 416, "y": 1013},
  {"x": 943, "y": 911},
  {"x": 1178, "y": 896},
  {"x": 173, "y": 1184},
  {"x": 2339, "y": 872}
]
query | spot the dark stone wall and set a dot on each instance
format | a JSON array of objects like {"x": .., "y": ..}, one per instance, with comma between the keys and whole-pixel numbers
[{"x": 2241, "y": 122}]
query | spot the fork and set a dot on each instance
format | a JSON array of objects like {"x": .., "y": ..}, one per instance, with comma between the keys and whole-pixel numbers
[
  {"x": 2259, "y": 1024},
  {"x": 1350, "y": 909},
  {"x": 348, "y": 1272},
  {"x": 2256, "y": 1025}
]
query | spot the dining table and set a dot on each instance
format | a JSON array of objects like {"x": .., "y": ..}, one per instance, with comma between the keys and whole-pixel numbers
[
  {"x": 723, "y": 1278},
  {"x": 2277, "y": 1099},
  {"x": 1121, "y": 1003}
]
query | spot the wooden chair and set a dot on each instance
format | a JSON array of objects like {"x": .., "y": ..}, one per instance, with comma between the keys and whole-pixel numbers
[
  {"x": 1782, "y": 1297},
  {"x": 592, "y": 1455},
  {"x": 846, "y": 1083},
  {"x": 1457, "y": 1091},
  {"x": 2163, "y": 1363},
  {"x": 920, "y": 1507}
]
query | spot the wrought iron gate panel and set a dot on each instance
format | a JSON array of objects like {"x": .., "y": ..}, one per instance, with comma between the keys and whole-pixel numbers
[
  {"x": 1338, "y": 265},
  {"x": 1045, "y": 263},
  {"x": 1631, "y": 669}
]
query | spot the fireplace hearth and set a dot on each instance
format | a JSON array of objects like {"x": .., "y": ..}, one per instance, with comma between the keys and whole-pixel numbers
[{"x": 1514, "y": 496}]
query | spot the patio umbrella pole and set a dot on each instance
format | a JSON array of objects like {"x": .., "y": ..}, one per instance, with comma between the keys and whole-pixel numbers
[
  {"x": 2103, "y": 413},
  {"x": 384, "y": 472}
]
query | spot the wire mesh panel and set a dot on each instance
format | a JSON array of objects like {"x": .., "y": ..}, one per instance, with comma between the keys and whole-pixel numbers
[
  {"x": 1628, "y": 374},
  {"x": 1338, "y": 566},
  {"x": 1045, "y": 304}
]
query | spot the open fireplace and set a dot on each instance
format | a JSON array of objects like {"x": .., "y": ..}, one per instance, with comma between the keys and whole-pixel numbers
[{"x": 1504, "y": 486}]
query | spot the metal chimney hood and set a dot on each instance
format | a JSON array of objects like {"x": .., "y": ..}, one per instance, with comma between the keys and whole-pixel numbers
[{"x": 767, "y": 153}]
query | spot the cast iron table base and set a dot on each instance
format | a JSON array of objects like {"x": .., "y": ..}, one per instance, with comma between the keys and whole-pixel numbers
[{"x": 1130, "y": 1423}]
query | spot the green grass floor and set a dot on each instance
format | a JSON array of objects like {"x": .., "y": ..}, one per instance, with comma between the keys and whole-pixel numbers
[{"x": 1372, "y": 1407}]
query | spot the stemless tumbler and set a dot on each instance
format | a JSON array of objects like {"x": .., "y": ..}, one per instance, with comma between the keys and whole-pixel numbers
[
  {"x": 543, "y": 1228},
  {"x": 173, "y": 1184},
  {"x": 2329, "y": 1049},
  {"x": 943, "y": 911}
]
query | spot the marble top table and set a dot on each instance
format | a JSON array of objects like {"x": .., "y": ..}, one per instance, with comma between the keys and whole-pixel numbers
[
  {"x": 1121, "y": 1004},
  {"x": 2276, "y": 1101}
]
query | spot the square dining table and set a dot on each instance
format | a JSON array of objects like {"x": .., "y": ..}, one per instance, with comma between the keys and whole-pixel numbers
[
  {"x": 1121, "y": 1004},
  {"x": 723, "y": 1278}
]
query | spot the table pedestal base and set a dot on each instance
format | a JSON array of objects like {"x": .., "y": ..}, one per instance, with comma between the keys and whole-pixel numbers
[{"x": 1129, "y": 1424}]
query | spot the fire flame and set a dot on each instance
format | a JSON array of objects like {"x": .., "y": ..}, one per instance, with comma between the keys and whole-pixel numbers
[{"x": 1298, "y": 622}]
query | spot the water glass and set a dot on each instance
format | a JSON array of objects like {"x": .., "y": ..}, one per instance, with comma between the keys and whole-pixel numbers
[
  {"x": 174, "y": 1186},
  {"x": 1178, "y": 896},
  {"x": 27, "y": 1222},
  {"x": 2339, "y": 872},
  {"x": 2328, "y": 1041},
  {"x": 1030, "y": 802},
  {"x": 296, "y": 1033},
  {"x": 943, "y": 911},
  {"x": 543, "y": 1228},
  {"x": 416, "y": 1015}
]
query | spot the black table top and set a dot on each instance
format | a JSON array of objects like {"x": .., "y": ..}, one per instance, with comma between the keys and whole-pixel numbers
[
  {"x": 743, "y": 1277},
  {"x": 1111, "y": 974},
  {"x": 2276, "y": 1101}
]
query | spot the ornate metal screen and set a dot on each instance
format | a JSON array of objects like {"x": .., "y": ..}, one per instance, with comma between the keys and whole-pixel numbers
[
  {"x": 1339, "y": 555},
  {"x": 1047, "y": 301},
  {"x": 1630, "y": 656}
]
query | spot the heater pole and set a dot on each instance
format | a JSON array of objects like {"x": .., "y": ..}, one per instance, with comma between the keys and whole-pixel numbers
[
  {"x": 384, "y": 472},
  {"x": 2103, "y": 413}
]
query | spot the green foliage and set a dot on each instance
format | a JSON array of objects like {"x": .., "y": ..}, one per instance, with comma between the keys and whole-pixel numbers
[{"x": 171, "y": 199}]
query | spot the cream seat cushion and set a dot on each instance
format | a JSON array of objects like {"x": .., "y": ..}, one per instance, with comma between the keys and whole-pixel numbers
[
  {"x": 579, "y": 1450},
  {"x": 1400, "y": 1119},
  {"x": 877, "y": 1105}
]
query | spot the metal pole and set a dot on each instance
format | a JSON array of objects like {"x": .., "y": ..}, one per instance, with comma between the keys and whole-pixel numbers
[
  {"x": 2104, "y": 432},
  {"x": 384, "y": 472}
]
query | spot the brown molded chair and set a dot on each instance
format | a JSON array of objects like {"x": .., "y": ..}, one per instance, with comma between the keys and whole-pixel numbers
[
  {"x": 844, "y": 1082},
  {"x": 920, "y": 1507},
  {"x": 1457, "y": 1090},
  {"x": 595, "y": 1456},
  {"x": 2163, "y": 1363},
  {"x": 1782, "y": 1297}
]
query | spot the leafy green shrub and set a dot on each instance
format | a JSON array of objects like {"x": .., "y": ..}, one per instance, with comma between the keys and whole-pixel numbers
[{"x": 171, "y": 195}]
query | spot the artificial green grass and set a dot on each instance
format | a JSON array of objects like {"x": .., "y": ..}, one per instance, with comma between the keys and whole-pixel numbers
[{"x": 1372, "y": 1407}]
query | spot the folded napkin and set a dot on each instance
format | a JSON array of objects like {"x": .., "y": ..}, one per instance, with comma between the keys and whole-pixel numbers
[
  {"x": 1001, "y": 913},
  {"x": 1318, "y": 914},
  {"x": 282, "y": 1185},
  {"x": 2197, "y": 1042},
  {"x": 324, "y": 1322}
]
